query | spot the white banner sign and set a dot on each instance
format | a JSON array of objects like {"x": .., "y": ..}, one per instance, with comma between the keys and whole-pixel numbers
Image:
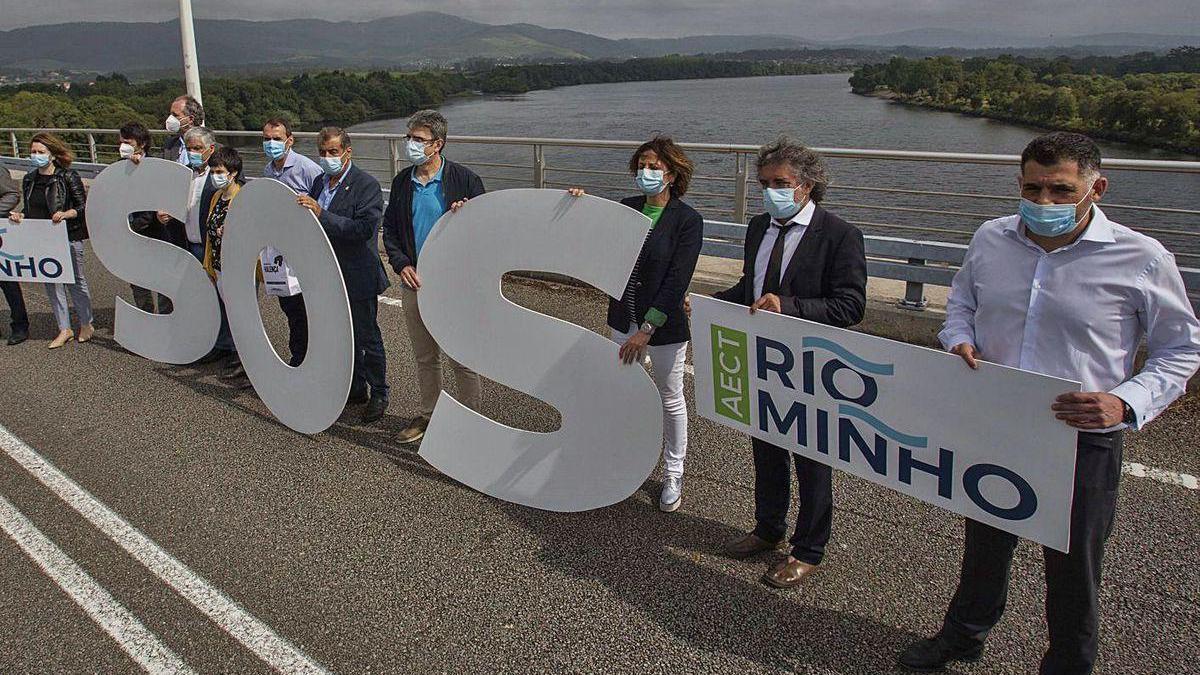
[
  {"x": 35, "y": 251},
  {"x": 983, "y": 444}
]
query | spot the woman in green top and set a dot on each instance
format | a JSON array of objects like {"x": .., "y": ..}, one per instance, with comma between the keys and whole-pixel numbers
[{"x": 649, "y": 318}]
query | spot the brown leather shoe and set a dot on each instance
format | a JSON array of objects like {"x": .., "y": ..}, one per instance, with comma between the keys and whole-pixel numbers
[
  {"x": 750, "y": 544},
  {"x": 789, "y": 573}
]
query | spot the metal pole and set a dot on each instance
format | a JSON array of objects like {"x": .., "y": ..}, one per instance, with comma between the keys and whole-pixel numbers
[
  {"x": 539, "y": 166},
  {"x": 92, "y": 147},
  {"x": 394, "y": 155},
  {"x": 191, "y": 66},
  {"x": 739, "y": 187},
  {"x": 12, "y": 137}
]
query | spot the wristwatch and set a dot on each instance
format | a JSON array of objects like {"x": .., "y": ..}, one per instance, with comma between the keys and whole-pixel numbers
[
  {"x": 1130, "y": 417},
  {"x": 647, "y": 328}
]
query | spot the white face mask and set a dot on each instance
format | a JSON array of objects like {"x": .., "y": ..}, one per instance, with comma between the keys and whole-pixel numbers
[
  {"x": 220, "y": 180},
  {"x": 126, "y": 151},
  {"x": 173, "y": 124}
]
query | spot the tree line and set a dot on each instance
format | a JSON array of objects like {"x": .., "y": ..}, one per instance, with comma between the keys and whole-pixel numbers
[
  {"x": 313, "y": 100},
  {"x": 1141, "y": 98}
]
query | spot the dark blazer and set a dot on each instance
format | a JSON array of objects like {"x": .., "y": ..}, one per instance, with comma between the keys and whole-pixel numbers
[
  {"x": 176, "y": 230},
  {"x": 458, "y": 183},
  {"x": 64, "y": 192},
  {"x": 826, "y": 279},
  {"x": 171, "y": 148},
  {"x": 10, "y": 194},
  {"x": 352, "y": 224},
  {"x": 665, "y": 268}
]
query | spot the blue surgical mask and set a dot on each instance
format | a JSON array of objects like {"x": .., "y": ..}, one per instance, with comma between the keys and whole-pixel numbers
[
  {"x": 332, "y": 166},
  {"x": 220, "y": 180},
  {"x": 415, "y": 151},
  {"x": 274, "y": 149},
  {"x": 195, "y": 159},
  {"x": 1050, "y": 220},
  {"x": 39, "y": 160},
  {"x": 780, "y": 202},
  {"x": 650, "y": 181}
]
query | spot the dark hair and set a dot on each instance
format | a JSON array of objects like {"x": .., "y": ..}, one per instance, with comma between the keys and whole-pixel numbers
[
  {"x": 279, "y": 122},
  {"x": 805, "y": 163},
  {"x": 432, "y": 120},
  {"x": 672, "y": 156},
  {"x": 229, "y": 158},
  {"x": 59, "y": 150},
  {"x": 1050, "y": 149},
  {"x": 136, "y": 131},
  {"x": 327, "y": 134}
]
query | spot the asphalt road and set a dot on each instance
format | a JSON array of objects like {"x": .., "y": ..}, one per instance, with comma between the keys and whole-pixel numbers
[{"x": 348, "y": 548}]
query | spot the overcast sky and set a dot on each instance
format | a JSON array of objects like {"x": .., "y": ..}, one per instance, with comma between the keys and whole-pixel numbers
[{"x": 814, "y": 19}]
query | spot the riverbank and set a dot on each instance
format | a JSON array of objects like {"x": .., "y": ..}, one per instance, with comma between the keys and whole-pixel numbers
[{"x": 1000, "y": 116}]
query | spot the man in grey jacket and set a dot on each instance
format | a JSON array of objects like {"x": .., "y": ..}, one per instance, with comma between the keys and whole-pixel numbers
[{"x": 10, "y": 198}]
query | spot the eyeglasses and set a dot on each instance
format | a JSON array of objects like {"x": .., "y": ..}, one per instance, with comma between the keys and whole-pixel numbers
[{"x": 423, "y": 141}]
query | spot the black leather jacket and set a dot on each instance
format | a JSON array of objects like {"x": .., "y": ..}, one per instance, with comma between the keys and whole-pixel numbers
[{"x": 65, "y": 192}]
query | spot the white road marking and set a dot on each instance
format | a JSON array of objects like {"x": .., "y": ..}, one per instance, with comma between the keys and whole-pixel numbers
[
  {"x": 276, "y": 651},
  {"x": 121, "y": 625},
  {"x": 1169, "y": 477},
  {"x": 394, "y": 302}
]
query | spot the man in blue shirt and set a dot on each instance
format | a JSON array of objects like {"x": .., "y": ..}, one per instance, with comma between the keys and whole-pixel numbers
[
  {"x": 298, "y": 173},
  {"x": 421, "y": 195}
]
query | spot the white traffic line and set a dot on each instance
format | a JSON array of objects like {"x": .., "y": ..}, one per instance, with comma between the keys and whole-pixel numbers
[
  {"x": 394, "y": 302},
  {"x": 276, "y": 651},
  {"x": 1136, "y": 470},
  {"x": 121, "y": 625}
]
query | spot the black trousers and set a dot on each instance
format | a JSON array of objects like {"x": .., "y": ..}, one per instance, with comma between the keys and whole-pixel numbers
[
  {"x": 370, "y": 364},
  {"x": 773, "y": 496},
  {"x": 297, "y": 319},
  {"x": 18, "y": 317},
  {"x": 1072, "y": 579}
]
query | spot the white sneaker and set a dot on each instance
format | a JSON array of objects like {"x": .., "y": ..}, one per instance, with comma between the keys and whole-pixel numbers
[{"x": 672, "y": 494}]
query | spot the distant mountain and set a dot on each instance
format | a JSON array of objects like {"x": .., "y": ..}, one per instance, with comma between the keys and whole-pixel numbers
[
  {"x": 960, "y": 39},
  {"x": 421, "y": 38}
]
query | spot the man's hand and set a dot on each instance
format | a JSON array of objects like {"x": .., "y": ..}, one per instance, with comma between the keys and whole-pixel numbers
[
  {"x": 309, "y": 203},
  {"x": 769, "y": 302},
  {"x": 1089, "y": 409},
  {"x": 576, "y": 192},
  {"x": 15, "y": 217},
  {"x": 687, "y": 306},
  {"x": 967, "y": 351},
  {"x": 163, "y": 217},
  {"x": 458, "y": 205},
  {"x": 410, "y": 278},
  {"x": 634, "y": 347}
]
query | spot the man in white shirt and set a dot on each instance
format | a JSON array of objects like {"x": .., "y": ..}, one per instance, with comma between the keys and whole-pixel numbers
[
  {"x": 1062, "y": 290},
  {"x": 298, "y": 173}
]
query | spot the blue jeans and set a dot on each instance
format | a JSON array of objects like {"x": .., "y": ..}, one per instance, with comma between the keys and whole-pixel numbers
[{"x": 81, "y": 297}]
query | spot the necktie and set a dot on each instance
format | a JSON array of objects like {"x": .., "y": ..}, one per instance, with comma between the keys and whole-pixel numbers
[{"x": 775, "y": 264}]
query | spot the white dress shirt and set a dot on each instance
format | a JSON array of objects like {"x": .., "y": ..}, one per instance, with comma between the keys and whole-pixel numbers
[
  {"x": 791, "y": 240},
  {"x": 1078, "y": 312},
  {"x": 192, "y": 224}
]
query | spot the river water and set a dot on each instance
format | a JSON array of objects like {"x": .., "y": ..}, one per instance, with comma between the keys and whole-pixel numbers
[{"x": 821, "y": 111}]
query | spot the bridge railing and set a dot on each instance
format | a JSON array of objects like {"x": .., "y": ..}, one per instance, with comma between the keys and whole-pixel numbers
[{"x": 930, "y": 251}]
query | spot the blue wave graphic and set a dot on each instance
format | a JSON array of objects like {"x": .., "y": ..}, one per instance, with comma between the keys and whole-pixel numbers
[
  {"x": 848, "y": 356},
  {"x": 11, "y": 256},
  {"x": 903, "y": 439}
]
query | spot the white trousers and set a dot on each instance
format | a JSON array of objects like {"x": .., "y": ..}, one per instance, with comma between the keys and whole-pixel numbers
[{"x": 666, "y": 368}]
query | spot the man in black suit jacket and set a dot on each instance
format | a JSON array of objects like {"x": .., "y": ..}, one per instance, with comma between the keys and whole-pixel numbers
[
  {"x": 348, "y": 203},
  {"x": 421, "y": 195},
  {"x": 186, "y": 112},
  {"x": 801, "y": 261}
]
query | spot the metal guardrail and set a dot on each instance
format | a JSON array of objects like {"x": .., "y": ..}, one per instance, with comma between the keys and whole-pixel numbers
[{"x": 913, "y": 261}]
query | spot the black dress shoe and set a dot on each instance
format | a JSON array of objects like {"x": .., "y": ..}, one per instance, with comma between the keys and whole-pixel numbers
[
  {"x": 932, "y": 655},
  {"x": 213, "y": 356},
  {"x": 17, "y": 338},
  {"x": 358, "y": 399},
  {"x": 374, "y": 410}
]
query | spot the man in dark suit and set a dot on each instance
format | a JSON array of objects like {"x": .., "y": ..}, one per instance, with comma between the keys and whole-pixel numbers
[
  {"x": 802, "y": 261},
  {"x": 422, "y": 194},
  {"x": 349, "y": 204},
  {"x": 10, "y": 200},
  {"x": 186, "y": 112}
]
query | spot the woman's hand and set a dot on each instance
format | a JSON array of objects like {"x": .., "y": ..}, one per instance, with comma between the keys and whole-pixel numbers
[
  {"x": 15, "y": 217},
  {"x": 58, "y": 216},
  {"x": 634, "y": 347},
  {"x": 221, "y": 231},
  {"x": 576, "y": 192},
  {"x": 163, "y": 217}
]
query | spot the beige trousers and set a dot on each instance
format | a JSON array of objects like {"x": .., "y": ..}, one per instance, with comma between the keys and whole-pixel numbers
[{"x": 429, "y": 361}]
